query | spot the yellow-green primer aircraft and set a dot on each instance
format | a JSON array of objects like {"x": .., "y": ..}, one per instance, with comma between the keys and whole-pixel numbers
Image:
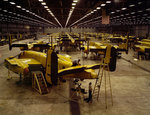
[{"x": 54, "y": 65}]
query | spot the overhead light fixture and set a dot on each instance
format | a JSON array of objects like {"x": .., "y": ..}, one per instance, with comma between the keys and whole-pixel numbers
[
  {"x": 40, "y": 0},
  {"x": 18, "y": 6},
  {"x": 73, "y": 4},
  {"x": 112, "y": 12},
  {"x": 32, "y": 13},
  {"x": 123, "y": 8},
  {"x": 75, "y": 1},
  {"x": 45, "y": 6},
  {"x": 87, "y": 14},
  {"x": 23, "y": 9},
  {"x": 43, "y": 3},
  {"x": 132, "y": 12},
  {"x": 5, "y": 0},
  {"x": 49, "y": 11},
  {"x": 5, "y": 10},
  {"x": 148, "y": 9},
  {"x": 139, "y": 2},
  {"x": 98, "y": 8},
  {"x": 140, "y": 11},
  {"x": 108, "y": 2},
  {"x": 131, "y": 5},
  {"x": 27, "y": 10},
  {"x": 94, "y": 10},
  {"x": 103, "y": 4},
  {"x": 13, "y": 3},
  {"x": 117, "y": 10},
  {"x": 73, "y": 7}
]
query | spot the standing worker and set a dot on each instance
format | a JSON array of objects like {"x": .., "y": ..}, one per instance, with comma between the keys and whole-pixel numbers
[{"x": 90, "y": 93}]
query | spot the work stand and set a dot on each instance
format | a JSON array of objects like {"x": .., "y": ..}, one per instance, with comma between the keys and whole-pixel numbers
[{"x": 39, "y": 83}]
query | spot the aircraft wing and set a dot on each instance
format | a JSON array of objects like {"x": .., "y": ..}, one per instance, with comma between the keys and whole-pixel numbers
[
  {"x": 95, "y": 48},
  {"x": 79, "y": 40},
  {"x": 83, "y": 72},
  {"x": 86, "y": 74},
  {"x": 19, "y": 65},
  {"x": 25, "y": 46},
  {"x": 70, "y": 38},
  {"x": 94, "y": 66},
  {"x": 141, "y": 48},
  {"x": 70, "y": 70},
  {"x": 98, "y": 49},
  {"x": 44, "y": 46}
]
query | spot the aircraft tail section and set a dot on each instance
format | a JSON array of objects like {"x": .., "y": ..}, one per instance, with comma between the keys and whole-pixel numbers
[
  {"x": 51, "y": 67},
  {"x": 10, "y": 43},
  {"x": 113, "y": 59}
]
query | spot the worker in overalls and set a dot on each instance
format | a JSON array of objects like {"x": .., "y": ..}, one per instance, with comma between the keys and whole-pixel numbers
[
  {"x": 90, "y": 93},
  {"x": 76, "y": 62}
]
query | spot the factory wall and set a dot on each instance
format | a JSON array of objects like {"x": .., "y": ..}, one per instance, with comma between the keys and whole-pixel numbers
[
  {"x": 54, "y": 30},
  {"x": 137, "y": 30},
  {"x": 17, "y": 28},
  {"x": 12, "y": 28},
  {"x": 142, "y": 30}
]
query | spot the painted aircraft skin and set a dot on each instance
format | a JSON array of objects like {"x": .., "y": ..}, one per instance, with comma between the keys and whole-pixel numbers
[
  {"x": 70, "y": 40},
  {"x": 26, "y": 59},
  {"x": 102, "y": 47},
  {"x": 36, "y": 45},
  {"x": 143, "y": 46},
  {"x": 95, "y": 45},
  {"x": 29, "y": 61}
]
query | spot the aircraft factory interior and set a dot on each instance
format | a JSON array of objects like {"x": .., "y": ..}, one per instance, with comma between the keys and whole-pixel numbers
[{"x": 75, "y": 57}]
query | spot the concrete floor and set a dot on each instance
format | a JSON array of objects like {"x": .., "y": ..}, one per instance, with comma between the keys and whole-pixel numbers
[{"x": 130, "y": 85}]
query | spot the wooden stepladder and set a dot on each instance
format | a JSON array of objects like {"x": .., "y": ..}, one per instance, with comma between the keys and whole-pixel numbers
[
  {"x": 39, "y": 83},
  {"x": 103, "y": 73}
]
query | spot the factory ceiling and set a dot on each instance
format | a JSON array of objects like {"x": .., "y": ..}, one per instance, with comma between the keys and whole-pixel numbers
[{"x": 74, "y": 13}]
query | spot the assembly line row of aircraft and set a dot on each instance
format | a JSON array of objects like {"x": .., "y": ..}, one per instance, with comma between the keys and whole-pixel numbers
[{"x": 51, "y": 64}]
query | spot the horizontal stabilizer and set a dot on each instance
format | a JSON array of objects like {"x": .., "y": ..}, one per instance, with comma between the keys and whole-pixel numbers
[
  {"x": 19, "y": 45},
  {"x": 97, "y": 49},
  {"x": 71, "y": 70},
  {"x": 77, "y": 69},
  {"x": 42, "y": 45}
]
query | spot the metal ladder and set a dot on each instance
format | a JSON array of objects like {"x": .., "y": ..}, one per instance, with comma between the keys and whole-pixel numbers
[
  {"x": 107, "y": 85},
  {"x": 97, "y": 85},
  {"x": 39, "y": 83},
  {"x": 104, "y": 68}
]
